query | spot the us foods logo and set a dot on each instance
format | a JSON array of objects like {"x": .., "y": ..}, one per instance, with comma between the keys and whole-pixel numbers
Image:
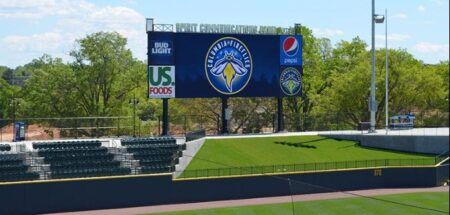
[
  {"x": 228, "y": 65},
  {"x": 161, "y": 81}
]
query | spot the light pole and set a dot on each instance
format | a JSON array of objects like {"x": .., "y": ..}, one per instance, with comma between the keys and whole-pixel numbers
[
  {"x": 372, "y": 102},
  {"x": 134, "y": 102},
  {"x": 387, "y": 74}
]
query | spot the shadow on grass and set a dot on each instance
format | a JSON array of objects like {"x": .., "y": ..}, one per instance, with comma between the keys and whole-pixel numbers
[
  {"x": 349, "y": 146},
  {"x": 296, "y": 145},
  {"x": 301, "y": 143}
]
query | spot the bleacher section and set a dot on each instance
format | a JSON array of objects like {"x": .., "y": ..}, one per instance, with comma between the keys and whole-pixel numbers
[
  {"x": 155, "y": 154},
  {"x": 13, "y": 167},
  {"x": 88, "y": 158},
  {"x": 77, "y": 159}
]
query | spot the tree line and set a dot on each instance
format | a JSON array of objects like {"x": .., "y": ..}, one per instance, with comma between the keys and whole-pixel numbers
[{"x": 103, "y": 77}]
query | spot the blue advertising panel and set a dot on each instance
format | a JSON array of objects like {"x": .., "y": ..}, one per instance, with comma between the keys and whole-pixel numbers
[
  {"x": 160, "y": 49},
  {"x": 291, "y": 50},
  {"x": 222, "y": 65}
]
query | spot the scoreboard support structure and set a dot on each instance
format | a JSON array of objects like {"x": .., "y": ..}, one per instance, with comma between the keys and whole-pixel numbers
[
  {"x": 224, "y": 129},
  {"x": 165, "y": 117},
  {"x": 280, "y": 121}
]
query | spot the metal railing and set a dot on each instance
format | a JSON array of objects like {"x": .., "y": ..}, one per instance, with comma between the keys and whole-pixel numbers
[
  {"x": 307, "y": 167},
  {"x": 88, "y": 127}
]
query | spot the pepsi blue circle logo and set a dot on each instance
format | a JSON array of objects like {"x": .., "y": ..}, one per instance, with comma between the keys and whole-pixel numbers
[
  {"x": 228, "y": 65},
  {"x": 290, "y": 81},
  {"x": 290, "y": 46}
]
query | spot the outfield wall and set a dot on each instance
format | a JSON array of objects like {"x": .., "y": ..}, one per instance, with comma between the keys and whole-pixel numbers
[{"x": 119, "y": 192}]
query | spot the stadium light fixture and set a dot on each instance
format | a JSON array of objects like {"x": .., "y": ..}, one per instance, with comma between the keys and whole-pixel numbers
[{"x": 378, "y": 18}]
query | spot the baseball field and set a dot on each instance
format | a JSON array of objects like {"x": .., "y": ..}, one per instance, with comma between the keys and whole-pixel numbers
[
  {"x": 270, "y": 151},
  {"x": 411, "y": 203}
]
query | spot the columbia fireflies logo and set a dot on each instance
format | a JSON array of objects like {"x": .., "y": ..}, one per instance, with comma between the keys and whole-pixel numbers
[
  {"x": 228, "y": 65},
  {"x": 290, "y": 81}
]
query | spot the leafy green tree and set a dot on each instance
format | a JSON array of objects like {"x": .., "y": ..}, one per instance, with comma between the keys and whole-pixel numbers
[
  {"x": 50, "y": 91},
  {"x": 6, "y": 94},
  {"x": 102, "y": 70},
  {"x": 316, "y": 52},
  {"x": 100, "y": 82}
]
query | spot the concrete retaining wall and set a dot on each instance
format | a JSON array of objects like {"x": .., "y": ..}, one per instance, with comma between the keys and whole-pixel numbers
[
  {"x": 413, "y": 143},
  {"x": 420, "y": 144},
  {"x": 192, "y": 147}
]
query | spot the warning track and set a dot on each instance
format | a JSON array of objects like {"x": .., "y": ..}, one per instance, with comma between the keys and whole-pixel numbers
[{"x": 255, "y": 201}]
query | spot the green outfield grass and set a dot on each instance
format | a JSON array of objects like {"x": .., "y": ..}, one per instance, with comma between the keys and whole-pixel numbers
[
  {"x": 251, "y": 152},
  {"x": 425, "y": 203}
]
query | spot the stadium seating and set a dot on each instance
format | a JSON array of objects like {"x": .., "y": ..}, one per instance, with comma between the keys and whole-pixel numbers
[
  {"x": 13, "y": 168},
  {"x": 77, "y": 159},
  {"x": 155, "y": 154},
  {"x": 5, "y": 147}
]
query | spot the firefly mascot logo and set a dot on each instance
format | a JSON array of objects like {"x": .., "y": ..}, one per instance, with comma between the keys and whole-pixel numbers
[
  {"x": 290, "y": 81},
  {"x": 228, "y": 65}
]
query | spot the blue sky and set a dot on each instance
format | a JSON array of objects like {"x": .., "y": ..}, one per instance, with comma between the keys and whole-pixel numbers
[{"x": 29, "y": 28}]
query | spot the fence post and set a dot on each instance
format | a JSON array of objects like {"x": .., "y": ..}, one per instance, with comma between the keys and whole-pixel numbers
[
  {"x": 140, "y": 122},
  {"x": 118, "y": 126},
  {"x": 76, "y": 128},
  {"x": 159, "y": 128},
  {"x": 185, "y": 125}
]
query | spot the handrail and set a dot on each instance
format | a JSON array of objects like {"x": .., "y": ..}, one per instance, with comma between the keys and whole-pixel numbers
[{"x": 306, "y": 167}]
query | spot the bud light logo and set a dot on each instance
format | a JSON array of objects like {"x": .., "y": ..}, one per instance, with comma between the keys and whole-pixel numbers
[
  {"x": 228, "y": 65},
  {"x": 290, "y": 81},
  {"x": 291, "y": 50},
  {"x": 290, "y": 46},
  {"x": 161, "y": 48}
]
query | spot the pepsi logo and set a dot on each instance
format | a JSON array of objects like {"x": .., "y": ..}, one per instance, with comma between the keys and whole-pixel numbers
[{"x": 290, "y": 46}]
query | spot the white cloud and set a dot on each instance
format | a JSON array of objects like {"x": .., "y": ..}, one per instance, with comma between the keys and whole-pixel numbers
[
  {"x": 431, "y": 48},
  {"x": 32, "y": 9},
  {"x": 46, "y": 42},
  {"x": 393, "y": 37},
  {"x": 438, "y": 2},
  {"x": 400, "y": 16},
  {"x": 421, "y": 8},
  {"x": 327, "y": 32},
  {"x": 75, "y": 19}
]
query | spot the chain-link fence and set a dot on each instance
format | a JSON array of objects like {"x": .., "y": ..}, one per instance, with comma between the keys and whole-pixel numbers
[
  {"x": 89, "y": 127},
  {"x": 78, "y": 127},
  {"x": 293, "y": 122}
]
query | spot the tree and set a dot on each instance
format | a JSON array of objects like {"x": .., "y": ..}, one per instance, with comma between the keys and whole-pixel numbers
[
  {"x": 105, "y": 71},
  {"x": 316, "y": 52},
  {"x": 6, "y": 92},
  {"x": 50, "y": 91},
  {"x": 100, "y": 82}
]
